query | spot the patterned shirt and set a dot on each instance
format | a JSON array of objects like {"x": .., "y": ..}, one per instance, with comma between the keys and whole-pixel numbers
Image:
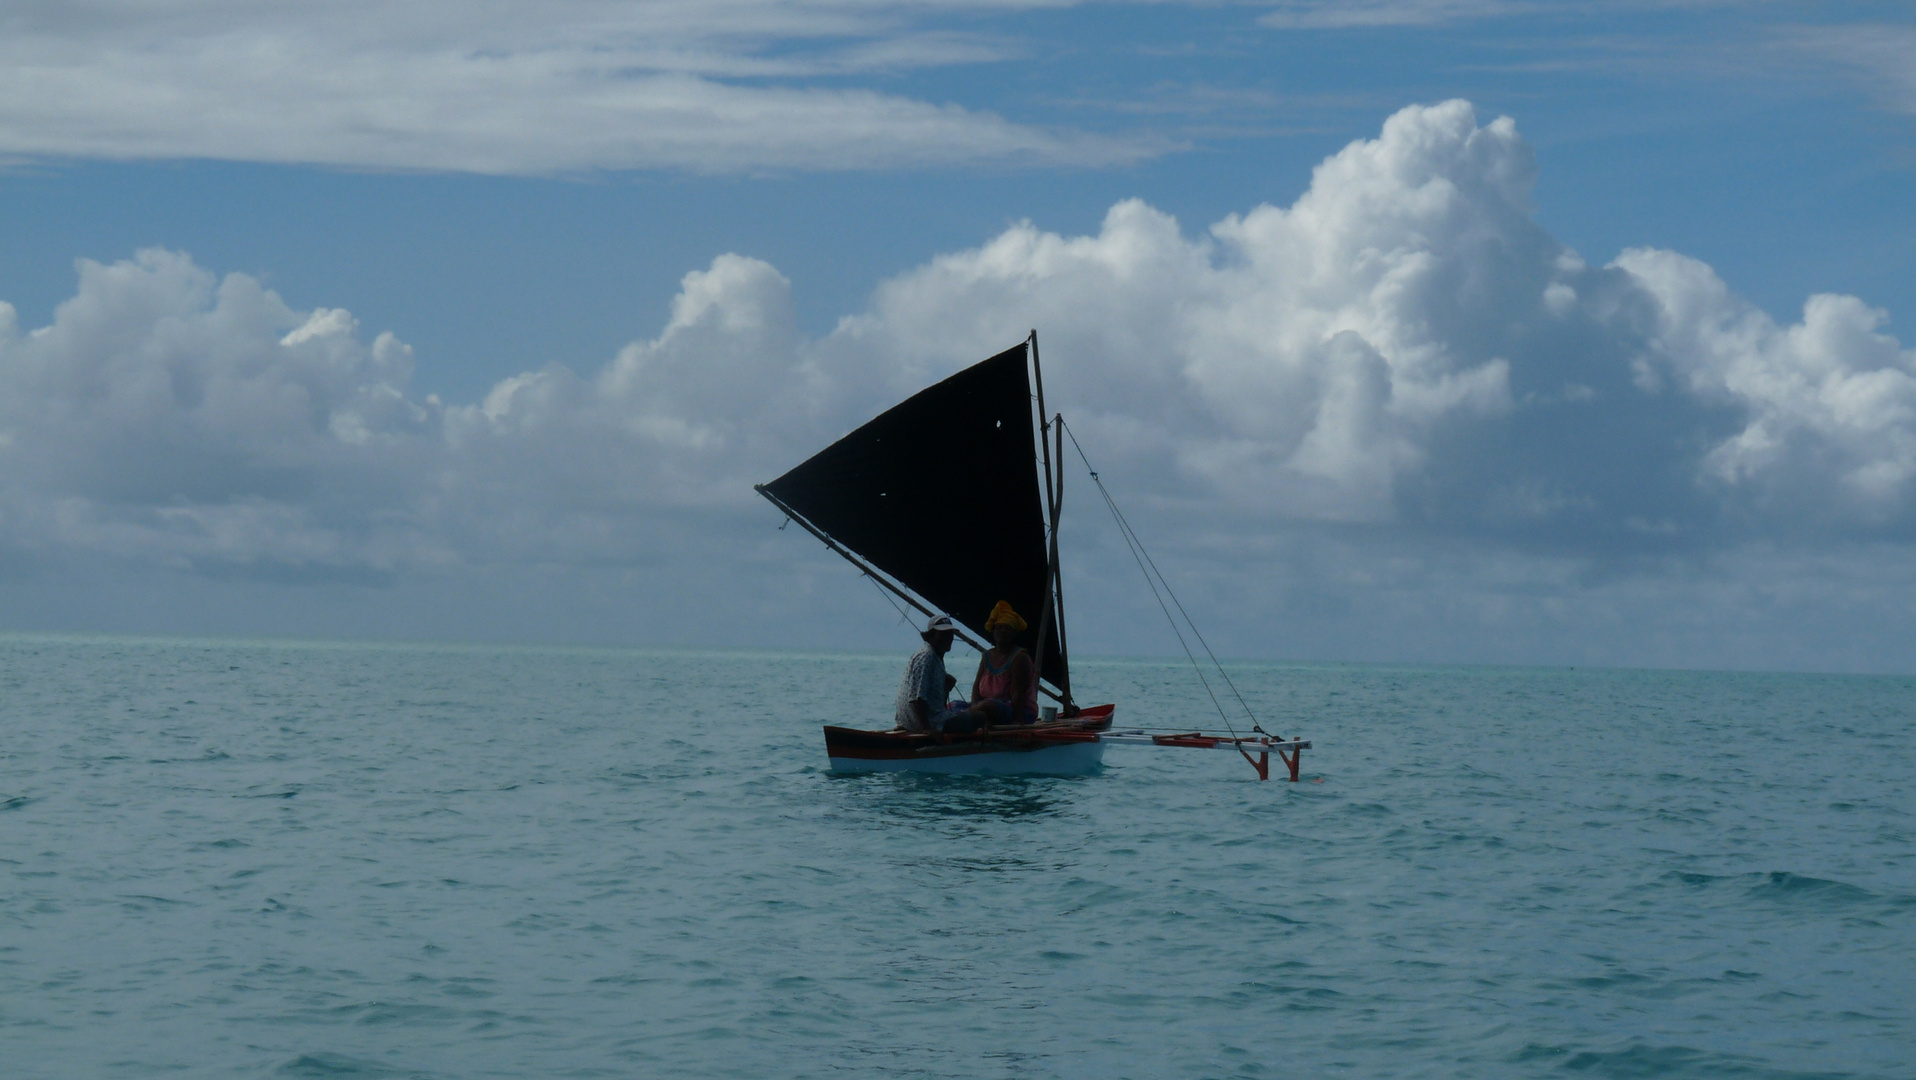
[{"x": 924, "y": 681}]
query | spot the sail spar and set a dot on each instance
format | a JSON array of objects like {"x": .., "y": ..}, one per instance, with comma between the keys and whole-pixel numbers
[{"x": 941, "y": 493}]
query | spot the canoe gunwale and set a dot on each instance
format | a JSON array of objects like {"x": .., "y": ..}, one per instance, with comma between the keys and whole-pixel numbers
[{"x": 844, "y": 744}]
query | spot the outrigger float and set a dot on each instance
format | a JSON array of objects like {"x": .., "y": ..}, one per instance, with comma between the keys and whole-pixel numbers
[{"x": 882, "y": 498}]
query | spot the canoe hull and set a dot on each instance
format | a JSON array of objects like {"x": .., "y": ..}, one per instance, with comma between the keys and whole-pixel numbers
[
  {"x": 1065, "y": 748},
  {"x": 1077, "y": 759}
]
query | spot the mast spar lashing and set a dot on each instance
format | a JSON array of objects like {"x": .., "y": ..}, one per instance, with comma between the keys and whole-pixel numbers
[{"x": 1053, "y": 610}]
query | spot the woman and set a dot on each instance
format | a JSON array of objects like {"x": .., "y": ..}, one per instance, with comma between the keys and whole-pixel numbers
[{"x": 1005, "y": 691}]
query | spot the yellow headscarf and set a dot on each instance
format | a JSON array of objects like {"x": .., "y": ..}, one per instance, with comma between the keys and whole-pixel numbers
[{"x": 1002, "y": 614}]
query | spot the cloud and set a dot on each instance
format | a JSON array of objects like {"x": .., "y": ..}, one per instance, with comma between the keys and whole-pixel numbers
[
  {"x": 1884, "y": 56},
  {"x": 692, "y": 417},
  {"x": 1360, "y": 14},
  {"x": 1399, "y": 364},
  {"x": 1827, "y": 403},
  {"x": 1344, "y": 14},
  {"x": 1406, "y": 341},
  {"x": 1288, "y": 357},
  {"x": 164, "y": 414},
  {"x": 447, "y": 85}
]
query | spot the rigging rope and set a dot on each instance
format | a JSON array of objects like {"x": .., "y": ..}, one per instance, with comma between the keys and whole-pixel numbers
[
  {"x": 902, "y": 617},
  {"x": 1143, "y": 558}
]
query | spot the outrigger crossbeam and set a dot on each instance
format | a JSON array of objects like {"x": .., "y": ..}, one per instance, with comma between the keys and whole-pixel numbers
[{"x": 1262, "y": 746}]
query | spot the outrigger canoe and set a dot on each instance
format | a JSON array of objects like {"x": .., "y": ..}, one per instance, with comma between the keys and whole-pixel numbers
[{"x": 900, "y": 498}]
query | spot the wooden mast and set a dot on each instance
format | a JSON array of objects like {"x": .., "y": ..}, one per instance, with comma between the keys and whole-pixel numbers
[
  {"x": 1051, "y": 492},
  {"x": 1057, "y": 566}
]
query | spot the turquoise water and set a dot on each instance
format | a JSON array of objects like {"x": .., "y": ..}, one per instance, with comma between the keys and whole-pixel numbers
[{"x": 246, "y": 859}]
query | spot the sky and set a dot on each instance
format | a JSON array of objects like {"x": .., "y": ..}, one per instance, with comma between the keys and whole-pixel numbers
[{"x": 1449, "y": 331}]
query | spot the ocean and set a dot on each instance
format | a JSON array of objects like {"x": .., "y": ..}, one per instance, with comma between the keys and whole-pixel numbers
[{"x": 283, "y": 859}]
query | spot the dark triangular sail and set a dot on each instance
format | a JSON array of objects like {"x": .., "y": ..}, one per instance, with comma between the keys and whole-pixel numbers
[{"x": 941, "y": 493}]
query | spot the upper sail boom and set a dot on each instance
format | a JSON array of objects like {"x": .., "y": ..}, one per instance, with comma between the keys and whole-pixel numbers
[{"x": 941, "y": 493}]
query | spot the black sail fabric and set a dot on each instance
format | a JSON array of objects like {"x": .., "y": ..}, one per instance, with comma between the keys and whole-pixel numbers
[{"x": 941, "y": 492}]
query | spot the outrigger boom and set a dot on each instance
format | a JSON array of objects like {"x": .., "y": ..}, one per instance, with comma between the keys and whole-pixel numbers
[{"x": 1263, "y": 746}]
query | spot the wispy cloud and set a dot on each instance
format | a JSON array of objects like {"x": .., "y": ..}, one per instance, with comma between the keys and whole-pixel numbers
[
  {"x": 1357, "y": 14},
  {"x": 1344, "y": 14},
  {"x": 1883, "y": 57},
  {"x": 724, "y": 85},
  {"x": 727, "y": 85}
]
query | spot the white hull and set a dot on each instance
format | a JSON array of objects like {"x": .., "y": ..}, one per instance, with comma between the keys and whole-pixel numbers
[{"x": 1072, "y": 759}]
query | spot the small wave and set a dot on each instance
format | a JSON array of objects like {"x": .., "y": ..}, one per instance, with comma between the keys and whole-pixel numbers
[
  {"x": 331, "y": 1065},
  {"x": 209, "y": 755},
  {"x": 139, "y": 901},
  {"x": 1698, "y": 881},
  {"x": 1367, "y": 809},
  {"x": 403, "y": 1014},
  {"x": 1783, "y": 886},
  {"x": 1779, "y": 887},
  {"x": 1643, "y": 1060}
]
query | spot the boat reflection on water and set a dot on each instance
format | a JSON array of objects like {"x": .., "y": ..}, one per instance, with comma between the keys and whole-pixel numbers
[{"x": 934, "y": 797}]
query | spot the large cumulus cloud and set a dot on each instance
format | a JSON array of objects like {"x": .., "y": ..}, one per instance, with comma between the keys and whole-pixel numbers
[
  {"x": 1402, "y": 356},
  {"x": 167, "y": 415},
  {"x": 1406, "y": 344}
]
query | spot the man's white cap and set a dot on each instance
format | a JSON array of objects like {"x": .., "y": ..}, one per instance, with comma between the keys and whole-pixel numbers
[{"x": 941, "y": 624}]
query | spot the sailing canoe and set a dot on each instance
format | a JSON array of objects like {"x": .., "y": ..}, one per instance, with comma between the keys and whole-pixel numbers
[
  {"x": 890, "y": 498},
  {"x": 899, "y": 498}
]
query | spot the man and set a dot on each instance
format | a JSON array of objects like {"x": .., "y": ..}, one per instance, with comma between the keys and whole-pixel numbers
[{"x": 921, "y": 696}]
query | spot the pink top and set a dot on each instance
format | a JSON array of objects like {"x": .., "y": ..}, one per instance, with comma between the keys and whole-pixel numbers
[{"x": 995, "y": 682}]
